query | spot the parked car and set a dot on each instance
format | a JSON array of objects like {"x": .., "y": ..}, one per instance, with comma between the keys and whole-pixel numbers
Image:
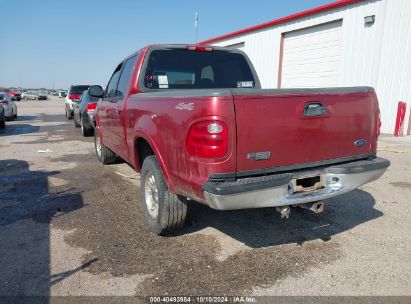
[
  {"x": 197, "y": 125},
  {"x": 35, "y": 96},
  {"x": 84, "y": 113},
  {"x": 41, "y": 96},
  {"x": 9, "y": 106},
  {"x": 15, "y": 95},
  {"x": 73, "y": 97},
  {"x": 30, "y": 95},
  {"x": 62, "y": 94},
  {"x": 2, "y": 117}
]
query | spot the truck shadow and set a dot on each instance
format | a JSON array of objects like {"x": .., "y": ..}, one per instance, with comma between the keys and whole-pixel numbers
[
  {"x": 259, "y": 228},
  {"x": 18, "y": 129},
  {"x": 27, "y": 208},
  {"x": 26, "y": 117}
]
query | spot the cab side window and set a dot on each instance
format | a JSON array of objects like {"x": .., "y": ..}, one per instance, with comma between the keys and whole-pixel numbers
[
  {"x": 125, "y": 76},
  {"x": 112, "y": 85}
]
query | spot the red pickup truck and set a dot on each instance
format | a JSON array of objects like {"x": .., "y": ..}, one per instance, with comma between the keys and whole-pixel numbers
[{"x": 194, "y": 121}]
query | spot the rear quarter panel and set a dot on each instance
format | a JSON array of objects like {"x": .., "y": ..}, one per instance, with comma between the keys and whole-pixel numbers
[{"x": 163, "y": 120}]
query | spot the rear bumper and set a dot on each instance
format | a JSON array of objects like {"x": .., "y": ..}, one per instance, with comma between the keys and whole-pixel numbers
[
  {"x": 8, "y": 111},
  {"x": 276, "y": 190}
]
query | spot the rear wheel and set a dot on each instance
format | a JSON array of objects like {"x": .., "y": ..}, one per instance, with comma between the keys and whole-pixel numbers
[
  {"x": 2, "y": 121},
  {"x": 86, "y": 131},
  {"x": 165, "y": 212},
  {"x": 68, "y": 115},
  {"x": 104, "y": 154},
  {"x": 76, "y": 124}
]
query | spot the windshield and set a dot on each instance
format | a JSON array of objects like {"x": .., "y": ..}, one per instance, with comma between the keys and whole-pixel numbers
[
  {"x": 184, "y": 69},
  {"x": 78, "y": 89}
]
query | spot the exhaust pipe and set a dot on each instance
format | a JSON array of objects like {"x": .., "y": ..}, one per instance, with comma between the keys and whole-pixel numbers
[{"x": 316, "y": 207}]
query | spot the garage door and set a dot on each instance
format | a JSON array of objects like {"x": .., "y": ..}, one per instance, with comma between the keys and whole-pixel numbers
[{"x": 311, "y": 56}]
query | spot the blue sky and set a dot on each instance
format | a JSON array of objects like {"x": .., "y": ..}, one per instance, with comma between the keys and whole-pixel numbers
[{"x": 60, "y": 42}]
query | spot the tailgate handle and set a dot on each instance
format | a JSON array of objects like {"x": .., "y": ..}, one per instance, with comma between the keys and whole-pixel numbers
[{"x": 314, "y": 108}]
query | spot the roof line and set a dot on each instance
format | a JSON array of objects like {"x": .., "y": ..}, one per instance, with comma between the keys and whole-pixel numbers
[{"x": 309, "y": 12}]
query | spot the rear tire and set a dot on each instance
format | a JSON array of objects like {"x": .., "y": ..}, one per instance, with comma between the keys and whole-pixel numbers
[
  {"x": 3, "y": 122},
  {"x": 165, "y": 212},
  {"x": 104, "y": 154},
  {"x": 86, "y": 132},
  {"x": 68, "y": 115},
  {"x": 76, "y": 124}
]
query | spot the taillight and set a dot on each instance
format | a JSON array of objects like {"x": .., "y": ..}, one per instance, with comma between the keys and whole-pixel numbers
[
  {"x": 91, "y": 107},
  {"x": 4, "y": 102},
  {"x": 207, "y": 139},
  {"x": 74, "y": 96}
]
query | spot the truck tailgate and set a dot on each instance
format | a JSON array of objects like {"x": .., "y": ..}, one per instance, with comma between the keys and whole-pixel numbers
[{"x": 278, "y": 128}]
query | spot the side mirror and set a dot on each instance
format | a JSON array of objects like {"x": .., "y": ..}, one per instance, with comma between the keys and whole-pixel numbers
[{"x": 96, "y": 91}]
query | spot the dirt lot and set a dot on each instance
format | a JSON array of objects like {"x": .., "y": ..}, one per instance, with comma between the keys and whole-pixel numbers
[{"x": 71, "y": 226}]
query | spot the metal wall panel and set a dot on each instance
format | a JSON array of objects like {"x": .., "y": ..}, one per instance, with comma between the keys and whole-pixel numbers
[
  {"x": 377, "y": 55},
  {"x": 394, "y": 76}
]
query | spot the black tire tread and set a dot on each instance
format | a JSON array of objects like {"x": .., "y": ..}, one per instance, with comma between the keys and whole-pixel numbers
[
  {"x": 172, "y": 209},
  {"x": 76, "y": 124},
  {"x": 107, "y": 156}
]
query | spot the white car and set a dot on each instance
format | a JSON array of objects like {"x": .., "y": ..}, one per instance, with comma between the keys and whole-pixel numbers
[
  {"x": 10, "y": 108},
  {"x": 73, "y": 97},
  {"x": 62, "y": 94}
]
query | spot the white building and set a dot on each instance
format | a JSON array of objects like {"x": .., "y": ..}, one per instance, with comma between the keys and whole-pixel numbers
[{"x": 344, "y": 43}]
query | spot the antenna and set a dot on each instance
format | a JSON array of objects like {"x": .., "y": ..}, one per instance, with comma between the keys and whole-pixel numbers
[{"x": 196, "y": 25}]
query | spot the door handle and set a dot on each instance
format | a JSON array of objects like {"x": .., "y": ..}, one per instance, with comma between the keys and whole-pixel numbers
[{"x": 314, "y": 108}]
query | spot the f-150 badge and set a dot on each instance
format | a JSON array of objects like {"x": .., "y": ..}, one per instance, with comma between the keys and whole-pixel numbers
[
  {"x": 185, "y": 106},
  {"x": 259, "y": 155}
]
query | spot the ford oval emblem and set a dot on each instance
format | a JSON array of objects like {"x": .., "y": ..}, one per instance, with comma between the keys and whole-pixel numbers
[{"x": 360, "y": 143}]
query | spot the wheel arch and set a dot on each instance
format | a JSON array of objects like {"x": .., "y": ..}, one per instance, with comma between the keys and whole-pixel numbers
[{"x": 144, "y": 146}]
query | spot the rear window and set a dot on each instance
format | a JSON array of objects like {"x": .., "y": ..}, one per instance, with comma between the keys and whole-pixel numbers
[
  {"x": 78, "y": 89},
  {"x": 184, "y": 69}
]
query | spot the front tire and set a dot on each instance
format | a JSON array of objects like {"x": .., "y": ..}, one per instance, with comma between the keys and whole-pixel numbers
[
  {"x": 104, "y": 154},
  {"x": 165, "y": 212}
]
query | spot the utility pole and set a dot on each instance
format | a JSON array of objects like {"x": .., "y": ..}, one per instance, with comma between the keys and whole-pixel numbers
[{"x": 196, "y": 25}]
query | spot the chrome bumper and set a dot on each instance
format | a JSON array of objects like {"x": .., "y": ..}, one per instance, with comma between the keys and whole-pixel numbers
[{"x": 337, "y": 180}]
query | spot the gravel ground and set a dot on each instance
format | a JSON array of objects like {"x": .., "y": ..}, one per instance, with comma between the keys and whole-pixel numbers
[{"x": 71, "y": 226}]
